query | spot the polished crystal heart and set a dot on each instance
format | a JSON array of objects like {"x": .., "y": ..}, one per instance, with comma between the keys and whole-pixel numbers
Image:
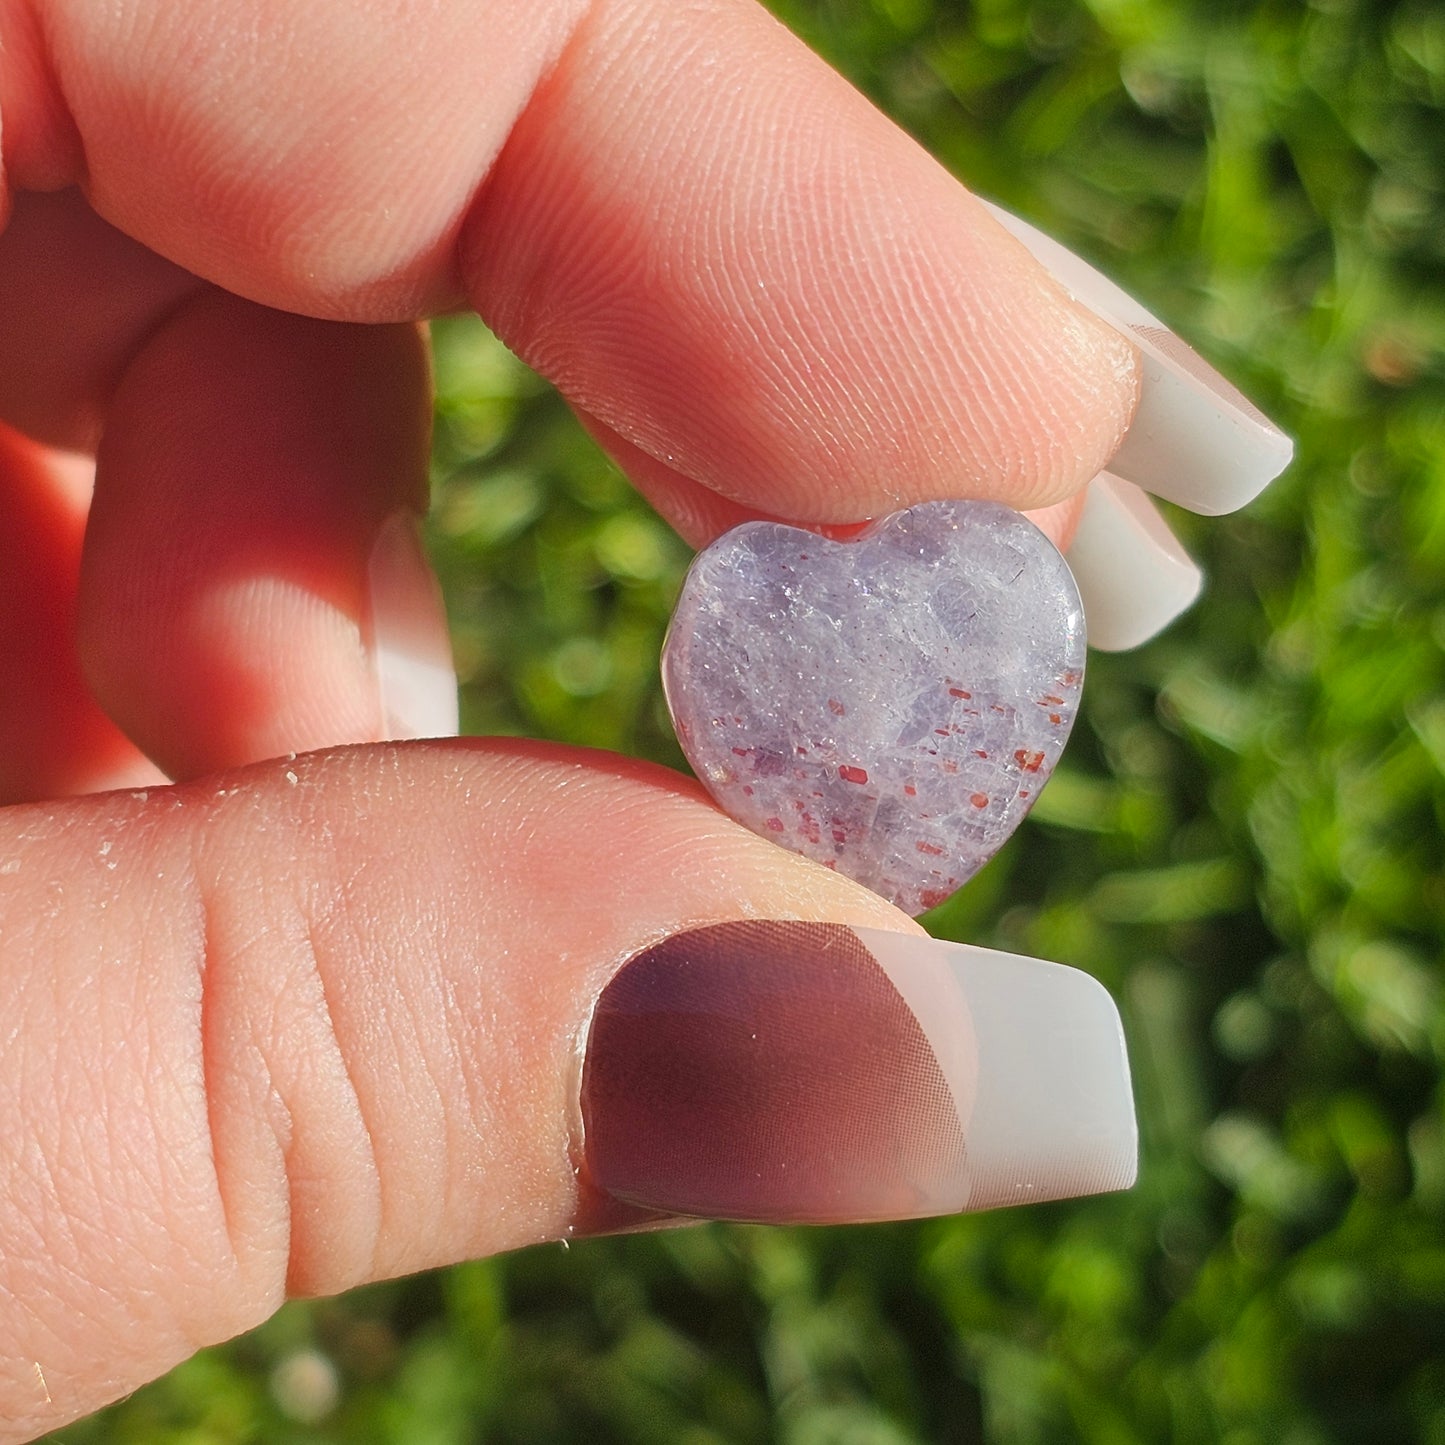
[{"x": 890, "y": 705}]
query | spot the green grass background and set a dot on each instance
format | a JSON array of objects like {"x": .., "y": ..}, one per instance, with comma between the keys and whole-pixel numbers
[{"x": 1244, "y": 841}]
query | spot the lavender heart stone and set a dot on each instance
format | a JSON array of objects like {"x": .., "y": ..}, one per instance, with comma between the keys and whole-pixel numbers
[{"x": 889, "y": 706}]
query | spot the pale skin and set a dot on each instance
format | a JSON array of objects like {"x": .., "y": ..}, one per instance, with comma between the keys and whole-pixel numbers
[{"x": 290, "y": 1028}]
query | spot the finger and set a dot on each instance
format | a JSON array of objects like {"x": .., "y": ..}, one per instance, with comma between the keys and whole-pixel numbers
[
  {"x": 819, "y": 323},
  {"x": 77, "y": 300},
  {"x": 253, "y": 581},
  {"x": 274, "y": 462},
  {"x": 54, "y": 739},
  {"x": 319, "y": 158},
  {"x": 320, "y": 1022},
  {"x": 707, "y": 239}
]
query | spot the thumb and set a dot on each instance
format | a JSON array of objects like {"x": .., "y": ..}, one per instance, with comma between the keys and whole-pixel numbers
[{"x": 338, "y": 1018}]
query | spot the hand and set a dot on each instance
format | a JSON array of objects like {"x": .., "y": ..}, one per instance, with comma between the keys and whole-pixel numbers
[{"x": 301, "y": 1024}]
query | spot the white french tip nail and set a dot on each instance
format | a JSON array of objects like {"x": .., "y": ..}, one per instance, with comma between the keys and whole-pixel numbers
[
  {"x": 410, "y": 645},
  {"x": 1195, "y": 439},
  {"x": 1134, "y": 578},
  {"x": 1034, "y": 1055}
]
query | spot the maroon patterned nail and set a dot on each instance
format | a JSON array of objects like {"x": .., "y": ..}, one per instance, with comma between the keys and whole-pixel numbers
[{"x": 782, "y": 1071}]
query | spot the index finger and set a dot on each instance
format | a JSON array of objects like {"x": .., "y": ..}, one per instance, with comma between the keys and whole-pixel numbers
[{"x": 717, "y": 249}]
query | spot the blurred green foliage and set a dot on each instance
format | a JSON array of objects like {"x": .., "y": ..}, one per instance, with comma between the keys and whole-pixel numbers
[{"x": 1244, "y": 843}]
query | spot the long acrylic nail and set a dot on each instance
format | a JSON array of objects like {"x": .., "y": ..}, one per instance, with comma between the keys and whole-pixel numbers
[
  {"x": 1195, "y": 439},
  {"x": 1134, "y": 578},
  {"x": 801, "y": 1072},
  {"x": 409, "y": 643}
]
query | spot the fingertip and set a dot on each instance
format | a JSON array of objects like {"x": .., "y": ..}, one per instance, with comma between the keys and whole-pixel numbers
[
  {"x": 746, "y": 273},
  {"x": 317, "y": 159},
  {"x": 250, "y": 462}
]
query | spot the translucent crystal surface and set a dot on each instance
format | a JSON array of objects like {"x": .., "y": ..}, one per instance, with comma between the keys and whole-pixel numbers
[{"x": 889, "y": 706}]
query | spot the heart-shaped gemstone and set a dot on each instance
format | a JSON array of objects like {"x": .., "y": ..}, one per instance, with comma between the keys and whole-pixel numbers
[{"x": 889, "y": 706}]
